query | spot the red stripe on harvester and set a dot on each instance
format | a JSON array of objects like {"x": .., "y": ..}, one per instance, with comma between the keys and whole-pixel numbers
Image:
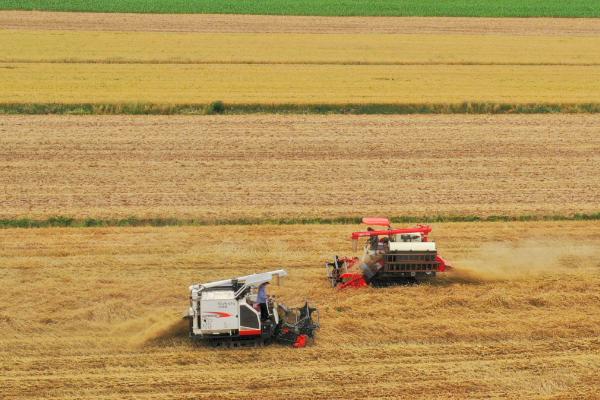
[
  {"x": 250, "y": 332},
  {"x": 219, "y": 314}
]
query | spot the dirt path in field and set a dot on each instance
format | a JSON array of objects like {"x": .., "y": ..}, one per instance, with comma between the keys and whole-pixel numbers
[{"x": 296, "y": 24}]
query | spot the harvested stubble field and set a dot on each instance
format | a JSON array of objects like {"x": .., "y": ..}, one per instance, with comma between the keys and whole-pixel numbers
[
  {"x": 457, "y": 64},
  {"x": 268, "y": 166},
  {"x": 94, "y": 312}
]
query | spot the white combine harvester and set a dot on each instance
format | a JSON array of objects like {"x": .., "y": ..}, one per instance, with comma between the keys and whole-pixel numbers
[{"x": 224, "y": 313}]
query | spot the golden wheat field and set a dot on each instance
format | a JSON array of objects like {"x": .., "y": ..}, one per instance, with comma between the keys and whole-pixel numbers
[
  {"x": 297, "y": 84},
  {"x": 309, "y": 48},
  {"x": 451, "y": 66},
  {"x": 94, "y": 313},
  {"x": 228, "y": 167}
]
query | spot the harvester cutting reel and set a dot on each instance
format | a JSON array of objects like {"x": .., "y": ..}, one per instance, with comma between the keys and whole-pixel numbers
[
  {"x": 298, "y": 325},
  {"x": 339, "y": 275}
]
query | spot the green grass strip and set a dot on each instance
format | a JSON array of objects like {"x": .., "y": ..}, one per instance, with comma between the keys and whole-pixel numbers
[
  {"x": 218, "y": 107},
  {"x": 69, "y": 222},
  {"x": 451, "y": 8}
]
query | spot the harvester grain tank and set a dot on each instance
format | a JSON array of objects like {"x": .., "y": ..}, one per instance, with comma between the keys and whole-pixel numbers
[
  {"x": 391, "y": 256},
  {"x": 225, "y": 313}
]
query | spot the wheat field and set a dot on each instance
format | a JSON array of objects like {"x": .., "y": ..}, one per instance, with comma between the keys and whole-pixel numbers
[
  {"x": 296, "y": 84},
  {"x": 166, "y": 67},
  {"x": 294, "y": 48},
  {"x": 276, "y": 84},
  {"x": 269, "y": 166},
  {"x": 94, "y": 313}
]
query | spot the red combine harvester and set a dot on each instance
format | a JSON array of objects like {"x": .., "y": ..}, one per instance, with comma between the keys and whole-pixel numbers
[{"x": 391, "y": 256}]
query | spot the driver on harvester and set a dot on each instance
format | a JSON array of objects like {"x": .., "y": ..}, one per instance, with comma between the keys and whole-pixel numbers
[
  {"x": 262, "y": 298},
  {"x": 373, "y": 240}
]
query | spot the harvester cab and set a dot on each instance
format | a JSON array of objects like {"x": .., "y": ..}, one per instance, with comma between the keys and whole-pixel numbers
[
  {"x": 226, "y": 313},
  {"x": 391, "y": 256}
]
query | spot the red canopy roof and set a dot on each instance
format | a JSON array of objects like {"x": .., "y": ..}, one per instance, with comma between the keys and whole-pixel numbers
[{"x": 376, "y": 221}]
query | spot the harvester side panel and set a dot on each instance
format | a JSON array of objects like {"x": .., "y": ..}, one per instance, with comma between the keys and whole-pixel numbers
[
  {"x": 410, "y": 261},
  {"x": 219, "y": 314},
  {"x": 249, "y": 319}
]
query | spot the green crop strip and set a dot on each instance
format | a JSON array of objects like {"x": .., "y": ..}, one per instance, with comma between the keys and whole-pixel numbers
[
  {"x": 451, "y": 8},
  {"x": 219, "y": 107},
  {"x": 69, "y": 222}
]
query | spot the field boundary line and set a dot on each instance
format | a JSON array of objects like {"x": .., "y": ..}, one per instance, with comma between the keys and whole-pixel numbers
[
  {"x": 218, "y": 107},
  {"x": 71, "y": 222}
]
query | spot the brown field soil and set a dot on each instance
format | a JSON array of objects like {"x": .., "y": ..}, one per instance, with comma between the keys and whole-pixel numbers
[
  {"x": 93, "y": 313},
  {"x": 295, "y": 24},
  {"x": 227, "y": 167}
]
